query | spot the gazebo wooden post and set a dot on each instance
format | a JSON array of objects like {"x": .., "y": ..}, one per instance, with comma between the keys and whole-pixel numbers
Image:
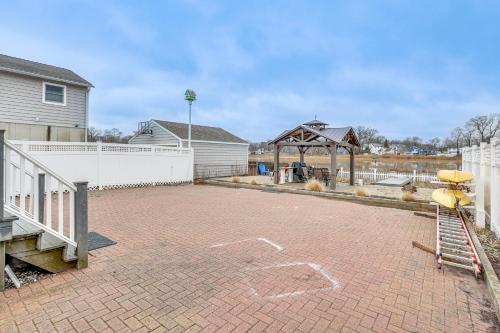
[
  {"x": 333, "y": 166},
  {"x": 276, "y": 163},
  {"x": 351, "y": 166},
  {"x": 301, "y": 152}
]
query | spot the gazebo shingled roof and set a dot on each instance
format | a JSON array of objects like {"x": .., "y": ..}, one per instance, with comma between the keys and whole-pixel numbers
[{"x": 316, "y": 134}]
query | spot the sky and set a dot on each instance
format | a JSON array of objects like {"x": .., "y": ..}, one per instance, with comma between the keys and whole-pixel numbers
[{"x": 406, "y": 68}]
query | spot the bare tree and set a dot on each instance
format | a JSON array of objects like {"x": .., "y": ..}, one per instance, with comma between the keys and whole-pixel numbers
[
  {"x": 485, "y": 127},
  {"x": 457, "y": 137},
  {"x": 93, "y": 134},
  {"x": 366, "y": 135},
  {"x": 434, "y": 143}
]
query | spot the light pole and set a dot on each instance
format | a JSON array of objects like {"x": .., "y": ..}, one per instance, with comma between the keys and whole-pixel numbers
[{"x": 190, "y": 97}]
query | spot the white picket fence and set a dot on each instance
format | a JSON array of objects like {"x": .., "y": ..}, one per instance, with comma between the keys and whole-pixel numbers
[
  {"x": 374, "y": 175},
  {"x": 484, "y": 162},
  {"x": 107, "y": 165}
]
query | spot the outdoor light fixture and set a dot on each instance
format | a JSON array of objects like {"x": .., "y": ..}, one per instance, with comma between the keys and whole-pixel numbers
[{"x": 190, "y": 97}]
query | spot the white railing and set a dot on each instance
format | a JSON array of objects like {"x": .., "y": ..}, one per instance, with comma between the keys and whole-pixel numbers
[
  {"x": 484, "y": 162},
  {"x": 23, "y": 197},
  {"x": 374, "y": 175},
  {"x": 108, "y": 165}
]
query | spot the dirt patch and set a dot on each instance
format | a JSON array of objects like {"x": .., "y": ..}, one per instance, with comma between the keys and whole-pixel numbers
[{"x": 491, "y": 245}]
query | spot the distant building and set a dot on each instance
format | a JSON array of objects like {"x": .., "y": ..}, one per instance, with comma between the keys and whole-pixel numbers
[
  {"x": 40, "y": 102},
  {"x": 452, "y": 151},
  {"x": 413, "y": 150},
  {"x": 216, "y": 151},
  {"x": 375, "y": 148}
]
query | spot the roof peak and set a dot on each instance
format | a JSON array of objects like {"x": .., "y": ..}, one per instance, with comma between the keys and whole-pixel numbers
[{"x": 315, "y": 122}]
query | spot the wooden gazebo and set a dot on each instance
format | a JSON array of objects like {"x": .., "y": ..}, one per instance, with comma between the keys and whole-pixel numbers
[{"x": 316, "y": 134}]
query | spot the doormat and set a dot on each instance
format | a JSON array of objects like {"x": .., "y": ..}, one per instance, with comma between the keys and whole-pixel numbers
[{"x": 97, "y": 241}]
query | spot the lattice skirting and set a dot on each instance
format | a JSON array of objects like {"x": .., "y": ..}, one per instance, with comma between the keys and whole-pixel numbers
[{"x": 136, "y": 185}]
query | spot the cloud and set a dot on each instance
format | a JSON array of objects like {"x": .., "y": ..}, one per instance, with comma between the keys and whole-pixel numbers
[{"x": 258, "y": 69}]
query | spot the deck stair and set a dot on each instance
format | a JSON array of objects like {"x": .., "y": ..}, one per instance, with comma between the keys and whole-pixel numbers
[
  {"x": 454, "y": 246},
  {"x": 43, "y": 217},
  {"x": 39, "y": 248}
]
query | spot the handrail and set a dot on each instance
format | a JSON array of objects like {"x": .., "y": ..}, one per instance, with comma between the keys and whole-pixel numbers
[{"x": 40, "y": 165}]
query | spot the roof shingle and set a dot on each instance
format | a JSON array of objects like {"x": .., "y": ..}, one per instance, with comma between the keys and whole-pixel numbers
[
  {"x": 36, "y": 69},
  {"x": 199, "y": 132}
]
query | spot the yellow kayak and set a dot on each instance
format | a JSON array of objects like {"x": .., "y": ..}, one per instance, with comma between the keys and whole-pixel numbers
[
  {"x": 449, "y": 198},
  {"x": 454, "y": 176}
]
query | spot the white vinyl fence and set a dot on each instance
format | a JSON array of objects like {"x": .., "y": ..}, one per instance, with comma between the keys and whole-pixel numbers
[
  {"x": 484, "y": 162},
  {"x": 374, "y": 175},
  {"x": 107, "y": 165}
]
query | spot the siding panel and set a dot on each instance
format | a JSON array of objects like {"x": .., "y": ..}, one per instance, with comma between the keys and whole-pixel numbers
[
  {"x": 219, "y": 159},
  {"x": 159, "y": 137},
  {"x": 21, "y": 102}
]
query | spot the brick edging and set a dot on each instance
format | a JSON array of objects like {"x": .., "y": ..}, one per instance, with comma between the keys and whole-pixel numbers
[
  {"x": 488, "y": 272},
  {"x": 369, "y": 201}
]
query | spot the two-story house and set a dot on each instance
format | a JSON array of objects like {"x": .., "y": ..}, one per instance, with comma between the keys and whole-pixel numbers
[{"x": 40, "y": 102}]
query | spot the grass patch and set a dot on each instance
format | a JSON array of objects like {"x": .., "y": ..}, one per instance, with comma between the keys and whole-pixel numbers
[
  {"x": 361, "y": 192},
  {"x": 253, "y": 182},
  {"x": 235, "y": 180},
  {"x": 408, "y": 196},
  {"x": 199, "y": 181},
  {"x": 314, "y": 185}
]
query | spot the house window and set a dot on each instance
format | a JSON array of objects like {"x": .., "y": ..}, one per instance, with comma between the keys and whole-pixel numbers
[{"x": 54, "y": 93}]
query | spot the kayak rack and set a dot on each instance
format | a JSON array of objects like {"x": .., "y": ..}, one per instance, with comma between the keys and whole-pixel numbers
[{"x": 454, "y": 247}]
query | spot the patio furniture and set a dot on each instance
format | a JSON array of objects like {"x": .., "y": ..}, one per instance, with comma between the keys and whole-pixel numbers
[
  {"x": 263, "y": 170},
  {"x": 322, "y": 174}
]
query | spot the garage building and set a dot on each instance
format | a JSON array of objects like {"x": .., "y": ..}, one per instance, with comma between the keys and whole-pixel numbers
[{"x": 217, "y": 152}]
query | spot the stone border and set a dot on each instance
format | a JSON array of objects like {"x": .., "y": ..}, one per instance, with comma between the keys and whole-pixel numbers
[
  {"x": 488, "y": 272},
  {"x": 370, "y": 201}
]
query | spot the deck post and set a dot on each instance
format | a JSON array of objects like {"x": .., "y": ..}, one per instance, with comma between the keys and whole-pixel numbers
[
  {"x": 301, "y": 152},
  {"x": 81, "y": 225},
  {"x": 333, "y": 166},
  {"x": 351, "y": 166},
  {"x": 276, "y": 163},
  {"x": 41, "y": 198},
  {"x": 5, "y": 222}
]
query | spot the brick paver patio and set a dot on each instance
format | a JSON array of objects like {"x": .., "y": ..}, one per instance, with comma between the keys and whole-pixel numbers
[{"x": 203, "y": 258}]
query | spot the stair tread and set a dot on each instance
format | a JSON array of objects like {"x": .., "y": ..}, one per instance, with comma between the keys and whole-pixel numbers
[
  {"x": 49, "y": 242},
  {"x": 22, "y": 229}
]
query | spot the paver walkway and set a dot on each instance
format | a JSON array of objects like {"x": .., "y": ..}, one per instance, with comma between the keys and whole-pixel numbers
[{"x": 201, "y": 258}]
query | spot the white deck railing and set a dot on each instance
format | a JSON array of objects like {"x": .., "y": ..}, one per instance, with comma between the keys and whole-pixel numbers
[
  {"x": 484, "y": 162},
  {"x": 23, "y": 196},
  {"x": 374, "y": 175}
]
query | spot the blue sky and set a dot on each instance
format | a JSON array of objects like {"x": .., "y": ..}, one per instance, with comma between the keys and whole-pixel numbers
[{"x": 407, "y": 68}]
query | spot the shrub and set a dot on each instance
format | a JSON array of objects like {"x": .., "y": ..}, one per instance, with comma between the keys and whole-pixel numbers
[
  {"x": 235, "y": 179},
  {"x": 253, "y": 182},
  {"x": 314, "y": 185},
  {"x": 361, "y": 192},
  {"x": 408, "y": 196},
  {"x": 199, "y": 181}
]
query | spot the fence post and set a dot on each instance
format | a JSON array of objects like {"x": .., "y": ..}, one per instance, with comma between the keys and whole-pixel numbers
[
  {"x": 375, "y": 174},
  {"x": 414, "y": 176},
  {"x": 480, "y": 217},
  {"x": 81, "y": 225},
  {"x": 494, "y": 187},
  {"x": 99, "y": 165}
]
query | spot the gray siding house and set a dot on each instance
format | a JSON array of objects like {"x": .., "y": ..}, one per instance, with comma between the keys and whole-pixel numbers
[
  {"x": 216, "y": 151},
  {"x": 41, "y": 102}
]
